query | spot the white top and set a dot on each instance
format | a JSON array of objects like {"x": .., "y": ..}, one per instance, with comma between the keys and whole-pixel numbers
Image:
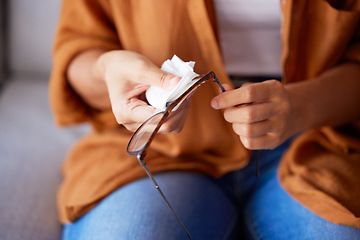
[{"x": 250, "y": 36}]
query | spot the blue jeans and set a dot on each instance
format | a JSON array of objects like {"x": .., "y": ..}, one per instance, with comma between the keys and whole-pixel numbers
[{"x": 237, "y": 206}]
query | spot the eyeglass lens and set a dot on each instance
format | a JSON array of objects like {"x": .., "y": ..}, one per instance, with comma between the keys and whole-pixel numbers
[{"x": 144, "y": 133}]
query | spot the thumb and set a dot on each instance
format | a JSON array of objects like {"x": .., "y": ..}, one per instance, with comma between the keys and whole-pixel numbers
[
  {"x": 227, "y": 87},
  {"x": 162, "y": 79}
]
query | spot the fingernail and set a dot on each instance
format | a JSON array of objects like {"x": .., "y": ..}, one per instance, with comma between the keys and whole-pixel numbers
[{"x": 214, "y": 104}]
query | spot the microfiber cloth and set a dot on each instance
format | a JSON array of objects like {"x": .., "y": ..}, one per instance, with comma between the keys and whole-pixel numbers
[{"x": 157, "y": 97}]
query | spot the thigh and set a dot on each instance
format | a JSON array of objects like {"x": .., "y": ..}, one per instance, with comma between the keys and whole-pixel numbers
[
  {"x": 137, "y": 211},
  {"x": 271, "y": 213}
]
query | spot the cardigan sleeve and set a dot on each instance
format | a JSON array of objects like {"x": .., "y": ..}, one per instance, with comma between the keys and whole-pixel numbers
[
  {"x": 353, "y": 51},
  {"x": 352, "y": 8},
  {"x": 82, "y": 25}
]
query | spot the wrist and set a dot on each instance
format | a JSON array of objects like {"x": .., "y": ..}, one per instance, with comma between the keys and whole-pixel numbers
[
  {"x": 300, "y": 115},
  {"x": 98, "y": 68},
  {"x": 85, "y": 76},
  {"x": 329, "y": 99}
]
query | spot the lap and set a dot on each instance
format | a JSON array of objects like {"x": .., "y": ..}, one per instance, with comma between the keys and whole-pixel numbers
[
  {"x": 137, "y": 211},
  {"x": 270, "y": 213},
  {"x": 207, "y": 209}
]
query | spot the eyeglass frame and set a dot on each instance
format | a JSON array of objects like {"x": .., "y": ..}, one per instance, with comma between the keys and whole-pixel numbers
[{"x": 140, "y": 154}]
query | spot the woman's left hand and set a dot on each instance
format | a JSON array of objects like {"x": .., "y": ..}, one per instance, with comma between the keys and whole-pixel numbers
[{"x": 259, "y": 113}]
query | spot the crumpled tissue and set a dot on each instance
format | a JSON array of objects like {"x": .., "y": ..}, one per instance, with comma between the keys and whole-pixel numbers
[{"x": 157, "y": 97}]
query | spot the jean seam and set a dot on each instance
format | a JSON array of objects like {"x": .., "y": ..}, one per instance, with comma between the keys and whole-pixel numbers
[
  {"x": 231, "y": 229},
  {"x": 251, "y": 229}
]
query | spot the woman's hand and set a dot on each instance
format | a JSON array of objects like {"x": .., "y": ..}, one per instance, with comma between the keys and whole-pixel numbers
[
  {"x": 265, "y": 114},
  {"x": 259, "y": 113},
  {"x": 119, "y": 79},
  {"x": 127, "y": 76}
]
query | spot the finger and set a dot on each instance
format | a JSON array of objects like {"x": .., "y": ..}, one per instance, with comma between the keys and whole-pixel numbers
[
  {"x": 267, "y": 141},
  {"x": 246, "y": 84},
  {"x": 133, "y": 111},
  {"x": 154, "y": 76},
  {"x": 249, "y": 113},
  {"x": 251, "y": 130},
  {"x": 227, "y": 87},
  {"x": 132, "y": 126},
  {"x": 249, "y": 93}
]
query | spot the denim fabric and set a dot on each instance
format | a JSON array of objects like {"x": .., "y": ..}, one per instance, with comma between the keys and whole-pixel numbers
[
  {"x": 271, "y": 214},
  {"x": 237, "y": 206},
  {"x": 137, "y": 211}
]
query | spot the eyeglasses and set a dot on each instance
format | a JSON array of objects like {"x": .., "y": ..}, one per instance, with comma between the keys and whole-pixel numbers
[{"x": 143, "y": 136}]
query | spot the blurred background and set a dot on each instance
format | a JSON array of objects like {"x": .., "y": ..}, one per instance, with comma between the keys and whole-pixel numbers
[{"x": 32, "y": 148}]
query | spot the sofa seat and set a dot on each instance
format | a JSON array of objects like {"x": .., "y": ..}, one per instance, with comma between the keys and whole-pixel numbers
[{"x": 32, "y": 149}]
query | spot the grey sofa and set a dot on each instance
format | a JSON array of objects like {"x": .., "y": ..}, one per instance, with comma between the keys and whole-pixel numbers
[{"x": 32, "y": 148}]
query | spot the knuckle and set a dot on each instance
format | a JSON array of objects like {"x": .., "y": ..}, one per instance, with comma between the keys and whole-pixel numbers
[
  {"x": 119, "y": 115},
  {"x": 120, "y": 119},
  {"x": 275, "y": 87},
  {"x": 249, "y": 115},
  {"x": 275, "y": 84},
  {"x": 246, "y": 84},
  {"x": 249, "y": 92},
  {"x": 141, "y": 66},
  {"x": 248, "y": 131},
  {"x": 285, "y": 108},
  {"x": 138, "y": 64}
]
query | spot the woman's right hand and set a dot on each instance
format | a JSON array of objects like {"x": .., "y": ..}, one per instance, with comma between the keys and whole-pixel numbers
[
  {"x": 118, "y": 80},
  {"x": 127, "y": 76}
]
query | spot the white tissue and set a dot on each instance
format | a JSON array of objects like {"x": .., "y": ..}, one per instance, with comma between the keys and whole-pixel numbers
[{"x": 157, "y": 97}]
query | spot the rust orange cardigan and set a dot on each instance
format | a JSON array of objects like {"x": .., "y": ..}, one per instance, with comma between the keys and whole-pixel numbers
[{"x": 320, "y": 169}]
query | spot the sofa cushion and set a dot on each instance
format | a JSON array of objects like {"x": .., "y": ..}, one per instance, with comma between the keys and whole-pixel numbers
[
  {"x": 32, "y": 26},
  {"x": 32, "y": 149},
  {"x": 2, "y": 41}
]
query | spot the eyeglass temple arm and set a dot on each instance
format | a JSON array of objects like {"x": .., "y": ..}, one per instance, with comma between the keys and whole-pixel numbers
[
  {"x": 218, "y": 82},
  {"x": 257, "y": 174},
  {"x": 143, "y": 164}
]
